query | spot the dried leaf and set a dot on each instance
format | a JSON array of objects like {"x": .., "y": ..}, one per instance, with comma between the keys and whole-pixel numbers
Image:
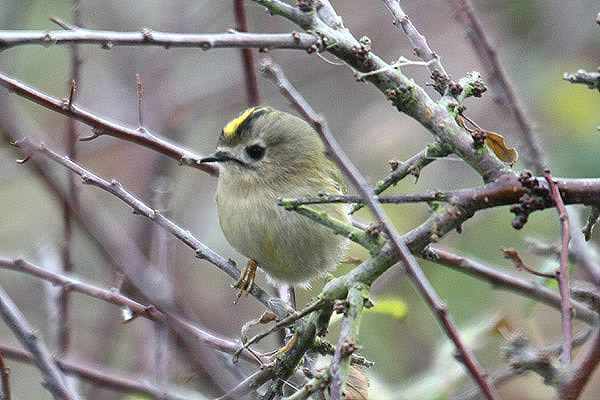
[
  {"x": 265, "y": 318},
  {"x": 357, "y": 385},
  {"x": 496, "y": 142}
]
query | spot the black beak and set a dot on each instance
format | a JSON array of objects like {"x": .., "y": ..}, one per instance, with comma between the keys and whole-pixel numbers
[{"x": 217, "y": 156}]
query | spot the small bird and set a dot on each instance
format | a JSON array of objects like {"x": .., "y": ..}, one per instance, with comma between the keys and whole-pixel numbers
[{"x": 264, "y": 155}]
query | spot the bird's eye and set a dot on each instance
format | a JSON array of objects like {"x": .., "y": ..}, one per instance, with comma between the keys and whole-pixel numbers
[{"x": 256, "y": 152}]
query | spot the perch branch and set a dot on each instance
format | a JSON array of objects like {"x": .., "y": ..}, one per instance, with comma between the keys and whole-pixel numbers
[
  {"x": 398, "y": 245},
  {"x": 149, "y": 37}
]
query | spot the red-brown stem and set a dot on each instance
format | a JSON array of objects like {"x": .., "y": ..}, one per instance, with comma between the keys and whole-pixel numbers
[
  {"x": 4, "y": 381},
  {"x": 73, "y": 194},
  {"x": 514, "y": 256},
  {"x": 249, "y": 66},
  {"x": 104, "y": 126},
  {"x": 563, "y": 272},
  {"x": 94, "y": 373},
  {"x": 589, "y": 358},
  {"x": 489, "y": 59}
]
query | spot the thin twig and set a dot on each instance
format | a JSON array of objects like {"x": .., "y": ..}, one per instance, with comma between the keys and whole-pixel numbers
[
  {"x": 520, "y": 264},
  {"x": 584, "y": 253},
  {"x": 563, "y": 272},
  {"x": 419, "y": 44},
  {"x": 137, "y": 309},
  {"x": 417, "y": 276},
  {"x": 282, "y": 323},
  {"x": 148, "y": 37},
  {"x": 249, "y": 65},
  {"x": 505, "y": 374},
  {"x": 140, "y": 96},
  {"x": 116, "y": 381},
  {"x": 54, "y": 379},
  {"x": 103, "y": 126},
  {"x": 591, "y": 79},
  {"x": 4, "y": 379},
  {"x": 502, "y": 280},
  {"x": 488, "y": 56},
  {"x": 68, "y": 217}
]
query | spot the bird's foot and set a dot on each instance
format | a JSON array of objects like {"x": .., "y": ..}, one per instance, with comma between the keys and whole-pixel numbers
[{"x": 244, "y": 284}]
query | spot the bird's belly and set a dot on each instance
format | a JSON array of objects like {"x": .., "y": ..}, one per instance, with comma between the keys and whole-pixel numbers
[{"x": 286, "y": 245}]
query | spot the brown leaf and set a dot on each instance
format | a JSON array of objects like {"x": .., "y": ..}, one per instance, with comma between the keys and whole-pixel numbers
[
  {"x": 357, "y": 385},
  {"x": 496, "y": 142}
]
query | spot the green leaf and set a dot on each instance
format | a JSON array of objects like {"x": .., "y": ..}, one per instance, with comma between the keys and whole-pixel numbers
[{"x": 393, "y": 307}]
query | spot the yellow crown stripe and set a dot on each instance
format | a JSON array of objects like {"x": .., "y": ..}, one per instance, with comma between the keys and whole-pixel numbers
[{"x": 233, "y": 125}]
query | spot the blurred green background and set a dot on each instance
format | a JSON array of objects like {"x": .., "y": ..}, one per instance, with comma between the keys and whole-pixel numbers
[{"x": 189, "y": 94}]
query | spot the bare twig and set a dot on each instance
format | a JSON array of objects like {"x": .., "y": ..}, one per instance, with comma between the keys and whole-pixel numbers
[
  {"x": 249, "y": 66},
  {"x": 563, "y": 272},
  {"x": 583, "y": 252},
  {"x": 591, "y": 222},
  {"x": 54, "y": 379},
  {"x": 591, "y": 79},
  {"x": 399, "y": 247},
  {"x": 4, "y": 379},
  {"x": 519, "y": 263},
  {"x": 420, "y": 46},
  {"x": 103, "y": 126},
  {"x": 505, "y": 374},
  {"x": 251, "y": 383},
  {"x": 412, "y": 166},
  {"x": 137, "y": 309},
  {"x": 140, "y": 96},
  {"x": 68, "y": 217},
  {"x": 282, "y": 323},
  {"x": 505, "y": 281},
  {"x": 148, "y": 37},
  {"x": 96, "y": 374},
  {"x": 488, "y": 56}
]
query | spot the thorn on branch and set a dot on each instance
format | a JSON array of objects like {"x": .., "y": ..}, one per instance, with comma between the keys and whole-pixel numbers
[
  {"x": 62, "y": 24},
  {"x": 95, "y": 133},
  {"x": 72, "y": 93}
]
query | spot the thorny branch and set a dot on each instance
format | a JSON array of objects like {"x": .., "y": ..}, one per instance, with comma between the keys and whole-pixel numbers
[{"x": 102, "y": 126}]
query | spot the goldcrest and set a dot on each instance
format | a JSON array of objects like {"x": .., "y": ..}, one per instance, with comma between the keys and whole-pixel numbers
[{"x": 263, "y": 155}]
